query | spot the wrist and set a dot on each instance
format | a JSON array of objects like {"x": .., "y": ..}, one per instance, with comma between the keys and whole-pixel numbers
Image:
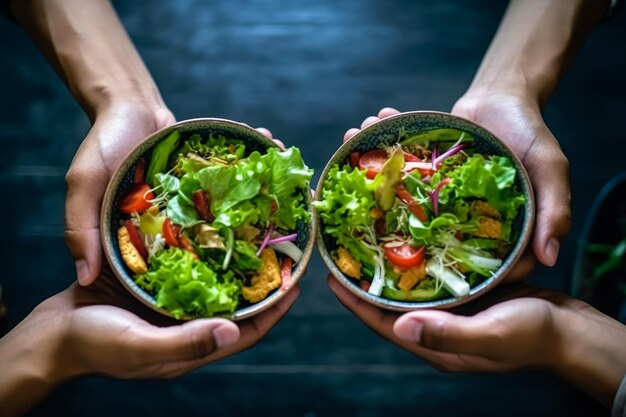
[
  {"x": 590, "y": 352},
  {"x": 103, "y": 98},
  {"x": 29, "y": 360}
]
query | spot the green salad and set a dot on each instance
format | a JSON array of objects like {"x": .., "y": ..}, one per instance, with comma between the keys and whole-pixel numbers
[
  {"x": 209, "y": 225},
  {"x": 427, "y": 218}
]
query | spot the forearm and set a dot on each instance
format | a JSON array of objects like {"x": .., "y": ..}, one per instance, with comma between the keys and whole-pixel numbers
[
  {"x": 593, "y": 352},
  {"x": 534, "y": 44},
  {"x": 28, "y": 363},
  {"x": 88, "y": 46}
]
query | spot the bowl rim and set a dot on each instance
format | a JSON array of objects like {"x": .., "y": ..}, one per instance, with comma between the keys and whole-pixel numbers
[
  {"x": 446, "y": 303},
  {"x": 106, "y": 236}
]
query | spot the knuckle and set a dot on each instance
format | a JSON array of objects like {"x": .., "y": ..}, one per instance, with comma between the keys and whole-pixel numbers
[
  {"x": 434, "y": 336},
  {"x": 200, "y": 347}
]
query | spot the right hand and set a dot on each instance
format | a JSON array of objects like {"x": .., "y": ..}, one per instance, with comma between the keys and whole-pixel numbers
[{"x": 116, "y": 131}]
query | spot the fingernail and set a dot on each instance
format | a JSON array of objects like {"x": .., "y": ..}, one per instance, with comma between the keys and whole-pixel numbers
[
  {"x": 552, "y": 251},
  {"x": 225, "y": 335},
  {"x": 82, "y": 271},
  {"x": 411, "y": 331}
]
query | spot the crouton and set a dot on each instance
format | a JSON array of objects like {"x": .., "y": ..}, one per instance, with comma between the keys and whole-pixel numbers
[
  {"x": 347, "y": 264},
  {"x": 131, "y": 256},
  {"x": 482, "y": 208},
  {"x": 266, "y": 280},
  {"x": 489, "y": 228},
  {"x": 410, "y": 277}
]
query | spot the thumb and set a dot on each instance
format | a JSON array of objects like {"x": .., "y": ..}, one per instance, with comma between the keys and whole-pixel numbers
[
  {"x": 82, "y": 217},
  {"x": 194, "y": 340},
  {"x": 446, "y": 332},
  {"x": 552, "y": 191}
]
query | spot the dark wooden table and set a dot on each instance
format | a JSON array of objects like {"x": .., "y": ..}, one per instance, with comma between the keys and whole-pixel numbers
[{"x": 308, "y": 70}]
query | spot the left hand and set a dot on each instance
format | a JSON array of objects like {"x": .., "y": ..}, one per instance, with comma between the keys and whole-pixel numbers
[{"x": 513, "y": 328}]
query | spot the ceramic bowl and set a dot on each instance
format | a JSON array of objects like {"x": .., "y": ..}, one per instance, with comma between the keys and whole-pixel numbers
[
  {"x": 387, "y": 132},
  {"x": 122, "y": 181}
]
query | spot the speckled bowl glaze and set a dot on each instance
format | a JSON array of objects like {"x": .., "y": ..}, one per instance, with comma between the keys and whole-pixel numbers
[
  {"x": 385, "y": 133},
  {"x": 122, "y": 180}
]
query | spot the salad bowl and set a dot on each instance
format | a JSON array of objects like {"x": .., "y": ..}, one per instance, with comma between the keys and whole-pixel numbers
[
  {"x": 423, "y": 210},
  {"x": 217, "y": 250}
]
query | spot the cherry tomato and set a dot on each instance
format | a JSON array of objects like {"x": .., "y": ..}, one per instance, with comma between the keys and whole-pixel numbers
[
  {"x": 409, "y": 157},
  {"x": 373, "y": 161},
  {"x": 137, "y": 199},
  {"x": 186, "y": 244},
  {"x": 354, "y": 158},
  {"x": 202, "y": 203},
  {"x": 135, "y": 238},
  {"x": 285, "y": 270},
  {"x": 405, "y": 256},
  {"x": 140, "y": 172},
  {"x": 170, "y": 233},
  {"x": 414, "y": 207}
]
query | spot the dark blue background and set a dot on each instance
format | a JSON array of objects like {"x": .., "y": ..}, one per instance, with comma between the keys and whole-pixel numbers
[{"x": 308, "y": 70}]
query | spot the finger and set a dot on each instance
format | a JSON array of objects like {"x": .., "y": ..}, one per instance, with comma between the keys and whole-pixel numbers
[
  {"x": 255, "y": 328},
  {"x": 445, "y": 332},
  {"x": 453, "y": 362},
  {"x": 265, "y": 132},
  {"x": 82, "y": 214},
  {"x": 350, "y": 133},
  {"x": 386, "y": 112},
  {"x": 370, "y": 120},
  {"x": 550, "y": 177},
  {"x": 280, "y": 143},
  {"x": 194, "y": 340}
]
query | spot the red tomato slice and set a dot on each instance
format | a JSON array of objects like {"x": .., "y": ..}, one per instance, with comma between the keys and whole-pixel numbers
[
  {"x": 415, "y": 207},
  {"x": 135, "y": 239},
  {"x": 365, "y": 285},
  {"x": 354, "y": 158},
  {"x": 201, "y": 202},
  {"x": 373, "y": 161},
  {"x": 137, "y": 199},
  {"x": 285, "y": 270},
  {"x": 170, "y": 233},
  {"x": 140, "y": 172},
  {"x": 405, "y": 256},
  {"x": 409, "y": 157},
  {"x": 186, "y": 244}
]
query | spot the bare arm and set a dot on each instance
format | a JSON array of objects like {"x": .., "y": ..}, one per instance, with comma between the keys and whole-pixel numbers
[
  {"x": 88, "y": 46},
  {"x": 535, "y": 43}
]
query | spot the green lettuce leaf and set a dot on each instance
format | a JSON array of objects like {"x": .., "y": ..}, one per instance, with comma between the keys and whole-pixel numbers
[
  {"x": 490, "y": 179},
  {"x": 182, "y": 212},
  {"x": 186, "y": 286},
  {"x": 245, "y": 256},
  {"x": 347, "y": 200}
]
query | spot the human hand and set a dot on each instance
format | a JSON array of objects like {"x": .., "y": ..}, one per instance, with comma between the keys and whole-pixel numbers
[
  {"x": 512, "y": 327},
  {"x": 100, "y": 329},
  {"x": 116, "y": 131},
  {"x": 515, "y": 117}
]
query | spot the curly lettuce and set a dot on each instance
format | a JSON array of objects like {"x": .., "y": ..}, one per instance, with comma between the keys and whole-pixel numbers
[
  {"x": 186, "y": 286},
  {"x": 346, "y": 206}
]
